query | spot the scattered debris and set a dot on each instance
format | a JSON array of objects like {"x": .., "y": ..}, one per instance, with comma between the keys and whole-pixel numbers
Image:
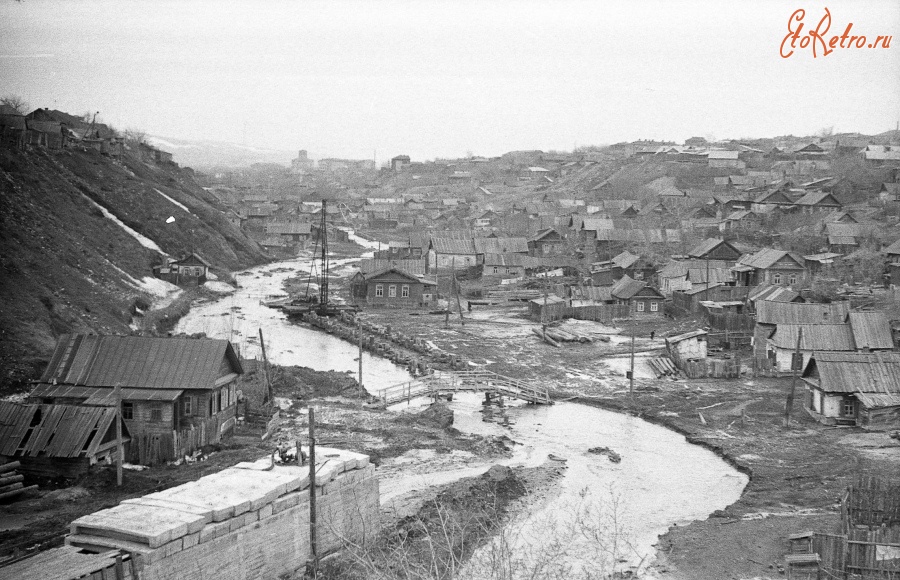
[{"x": 610, "y": 454}]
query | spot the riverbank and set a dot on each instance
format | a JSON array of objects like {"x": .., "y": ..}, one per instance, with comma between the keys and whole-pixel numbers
[{"x": 796, "y": 475}]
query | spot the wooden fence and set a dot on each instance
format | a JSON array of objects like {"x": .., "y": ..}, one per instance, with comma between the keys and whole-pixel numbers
[
  {"x": 707, "y": 368},
  {"x": 872, "y": 501},
  {"x": 731, "y": 322},
  {"x": 149, "y": 448},
  {"x": 598, "y": 313}
]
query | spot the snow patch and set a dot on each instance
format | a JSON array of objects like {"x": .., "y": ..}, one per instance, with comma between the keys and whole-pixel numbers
[
  {"x": 141, "y": 239},
  {"x": 221, "y": 287},
  {"x": 178, "y": 203},
  {"x": 157, "y": 287}
]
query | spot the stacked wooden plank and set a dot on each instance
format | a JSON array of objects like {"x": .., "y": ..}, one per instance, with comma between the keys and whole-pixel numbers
[
  {"x": 663, "y": 367},
  {"x": 11, "y": 483}
]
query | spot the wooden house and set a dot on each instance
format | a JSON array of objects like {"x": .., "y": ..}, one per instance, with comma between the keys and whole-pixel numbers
[
  {"x": 781, "y": 346},
  {"x": 392, "y": 287},
  {"x": 192, "y": 270},
  {"x": 58, "y": 440},
  {"x": 715, "y": 249},
  {"x": 774, "y": 198},
  {"x": 772, "y": 313},
  {"x": 741, "y": 220},
  {"x": 816, "y": 201},
  {"x": 817, "y": 263},
  {"x": 688, "y": 346},
  {"x": 446, "y": 253},
  {"x": 645, "y": 301},
  {"x": 854, "y": 388},
  {"x": 492, "y": 245},
  {"x": 674, "y": 275},
  {"x": 769, "y": 266},
  {"x": 178, "y": 394},
  {"x": 633, "y": 265},
  {"x": 547, "y": 242}
]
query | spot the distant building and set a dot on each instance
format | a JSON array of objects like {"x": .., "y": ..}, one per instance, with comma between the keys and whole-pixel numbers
[
  {"x": 302, "y": 164},
  {"x": 400, "y": 162},
  {"x": 191, "y": 270},
  {"x": 392, "y": 287}
]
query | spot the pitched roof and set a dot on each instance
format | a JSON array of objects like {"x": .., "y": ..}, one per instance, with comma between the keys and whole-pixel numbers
[
  {"x": 453, "y": 246},
  {"x": 767, "y": 257},
  {"x": 708, "y": 245},
  {"x": 625, "y": 259},
  {"x": 893, "y": 249},
  {"x": 876, "y": 373},
  {"x": 871, "y": 330},
  {"x": 720, "y": 154},
  {"x": 506, "y": 260},
  {"x": 815, "y": 337},
  {"x": 393, "y": 269},
  {"x": 769, "y": 312},
  {"x": 501, "y": 245},
  {"x": 773, "y": 293},
  {"x": 710, "y": 275},
  {"x": 414, "y": 267},
  {"x": 54, "y": 430},
  {"x": 142, "y": 362},
  {"x": 821, "y": 198}
]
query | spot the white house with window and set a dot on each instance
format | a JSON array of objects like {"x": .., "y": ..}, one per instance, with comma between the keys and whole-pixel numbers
[{"x": 854, "y": 388}]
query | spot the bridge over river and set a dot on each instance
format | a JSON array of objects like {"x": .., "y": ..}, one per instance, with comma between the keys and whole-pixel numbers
[{"x": 489, "y": 382}]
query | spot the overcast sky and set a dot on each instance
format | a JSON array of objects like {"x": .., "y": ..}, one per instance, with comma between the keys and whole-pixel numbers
[{"x": 446, "y": 78}]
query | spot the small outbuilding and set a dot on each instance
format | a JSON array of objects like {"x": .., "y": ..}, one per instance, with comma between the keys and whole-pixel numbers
[
  {"x": 854, "y": 388},
  {"x": 688, "y": 346}
]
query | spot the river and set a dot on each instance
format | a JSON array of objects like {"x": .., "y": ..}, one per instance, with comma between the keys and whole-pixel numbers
[{"x": 600, "y": 515}]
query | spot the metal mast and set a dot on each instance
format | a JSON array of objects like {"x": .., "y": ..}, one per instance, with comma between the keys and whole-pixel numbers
[{"x": 323, "y": 283}]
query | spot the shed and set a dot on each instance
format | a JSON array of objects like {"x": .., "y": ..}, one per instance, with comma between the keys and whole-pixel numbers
[
  {"x": 58, "y": 440},
  {"x": 854, "y": 388},
  {"x": 688, "y": 346}
]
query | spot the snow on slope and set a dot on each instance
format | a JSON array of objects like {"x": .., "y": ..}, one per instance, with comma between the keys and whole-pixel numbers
[
  {"x": 142, "y": 240},
  {"x": 178, "y": 203}
]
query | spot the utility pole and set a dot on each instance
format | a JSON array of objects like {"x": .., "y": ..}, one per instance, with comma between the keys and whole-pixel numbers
[
  {"x": 262, "y": 344},
  {"x": 119, "y": 447},
  {"x": 312, "y": 491},
  {"x": 631, "y": 372},
  {"x": 796, "y": 362},
  {"x": 359, "y": 330}
]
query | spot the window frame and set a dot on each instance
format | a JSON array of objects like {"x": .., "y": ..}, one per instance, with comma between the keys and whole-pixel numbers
[
  {"x": 128, "y": 410},
  {"x": 187, "y": 406},
  {"x": 156, "y": 414},
  {"x": 848, "y": 403},
  {"x": 379, "y": 290},
  {"x": 792, "y": 279},
  {"x": 639, "y": 306},
  {"x": 776, "y": 278},
  {"x": 404, "y": 291},
  {"x": 654, "y": 307},
  {"x": 392, "y": 291}
]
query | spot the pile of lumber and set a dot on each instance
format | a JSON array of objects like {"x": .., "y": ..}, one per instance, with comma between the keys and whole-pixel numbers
[
  {"x": 11, "y": 482},
  {"x": 663, "y": 367},
  {"x": 560, "y": 335}
]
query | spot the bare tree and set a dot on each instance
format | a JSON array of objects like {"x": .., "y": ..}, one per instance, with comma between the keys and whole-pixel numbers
[
  {"x": 17, "y": 102},
  {"x": 135, "y": 136}
]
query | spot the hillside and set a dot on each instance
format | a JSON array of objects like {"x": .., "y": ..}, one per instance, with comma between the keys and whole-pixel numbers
[
  {"x": 68, "y": 261},
  {"x": 208, "y": 155}
]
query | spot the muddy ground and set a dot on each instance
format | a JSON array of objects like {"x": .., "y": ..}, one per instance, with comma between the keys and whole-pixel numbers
[{"x": 797, "y": 475}]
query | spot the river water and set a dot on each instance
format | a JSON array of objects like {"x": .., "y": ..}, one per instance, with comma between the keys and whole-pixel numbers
[{"x": 600, "y": 516}]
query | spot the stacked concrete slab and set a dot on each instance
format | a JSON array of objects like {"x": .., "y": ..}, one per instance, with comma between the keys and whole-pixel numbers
[{"x": 248, "y": 521}]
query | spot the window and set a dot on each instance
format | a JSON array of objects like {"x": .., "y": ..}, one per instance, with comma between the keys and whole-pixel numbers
[
  {"x": 640, "y": 306},
  {"x": 654, "y": 307},
  {"x": 379, "y": 290},
  {"x": 187, "y": 405},
  {"x": 404, "y": 291},
  {"x": 392, "y": 291},
  {"x": 792, "y": 279},
  {"x": 128, "y": 411},
  {"x": 496, "y": 270},
  {"x": 156, "y": 414},
  {"x": 776, "y": 278},
  {"x": 849, "y": 408},
  {"x": 796, "y": 361}
]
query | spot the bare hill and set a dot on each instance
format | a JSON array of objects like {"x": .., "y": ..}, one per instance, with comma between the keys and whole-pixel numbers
[{"x": 68, "y": 261}]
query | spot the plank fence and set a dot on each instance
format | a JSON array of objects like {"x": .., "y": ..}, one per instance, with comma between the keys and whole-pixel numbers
[
  {"x": 706, "y": 368},
  {"x": 151, "y": 448},
  {"x": 598, "y": 313}
]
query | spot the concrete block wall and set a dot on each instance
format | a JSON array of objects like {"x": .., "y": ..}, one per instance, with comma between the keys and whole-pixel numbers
[{"x": 246, "y": 522}]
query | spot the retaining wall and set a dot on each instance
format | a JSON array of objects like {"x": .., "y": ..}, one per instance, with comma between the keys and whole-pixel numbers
[{"x": 245, "y": 522}]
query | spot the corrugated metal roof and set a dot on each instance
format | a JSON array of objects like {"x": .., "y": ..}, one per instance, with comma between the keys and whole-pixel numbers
[
  {"x": 773, "y": 293},
  {"x": 101, "y": 395},
  {"x": 53, "y": 430},
  {"x": 625, "y": 260},
  {"x": 815, "y": 337},
  {"x": 846, "y": 372},
  {"x": 140, "y": 362},
  {"x": 768, "y": 312},
  {"x": 505, "y": 260},
  {"x": 818, "y": 198},
  {"x": 871, "y": 330},
  {"x": 685, "y": 336},
  {"x": 716, "y": 275}
]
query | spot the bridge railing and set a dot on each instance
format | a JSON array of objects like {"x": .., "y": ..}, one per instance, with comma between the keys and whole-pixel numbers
[{"x": 463, "y": 381}]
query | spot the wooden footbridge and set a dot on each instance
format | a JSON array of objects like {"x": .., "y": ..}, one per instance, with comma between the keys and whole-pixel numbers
[{"x": 438, "y": 383}]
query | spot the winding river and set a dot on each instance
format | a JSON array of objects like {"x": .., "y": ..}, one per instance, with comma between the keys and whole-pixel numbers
[{"x": 599, "y": 517}]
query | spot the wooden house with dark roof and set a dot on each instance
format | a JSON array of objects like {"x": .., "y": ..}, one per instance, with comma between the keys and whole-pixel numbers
[
  {"x": 392, "y": 287},
  {"x": 769, "y": 266},
  {"x": 850, "y": 388},
  {"x": 816, "y": 201},
  {"x": 178, "y": 394},
  {"x": 775, "y": 197},
  {"x": 715, "y": 249},
  {"x": 547, "y": 242},
  {"x": 644, "y": 300},
  {"x": 445, "y": 253},
  {"x": 58, "y": 440},
  {"x": 192, "y": 270}
]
